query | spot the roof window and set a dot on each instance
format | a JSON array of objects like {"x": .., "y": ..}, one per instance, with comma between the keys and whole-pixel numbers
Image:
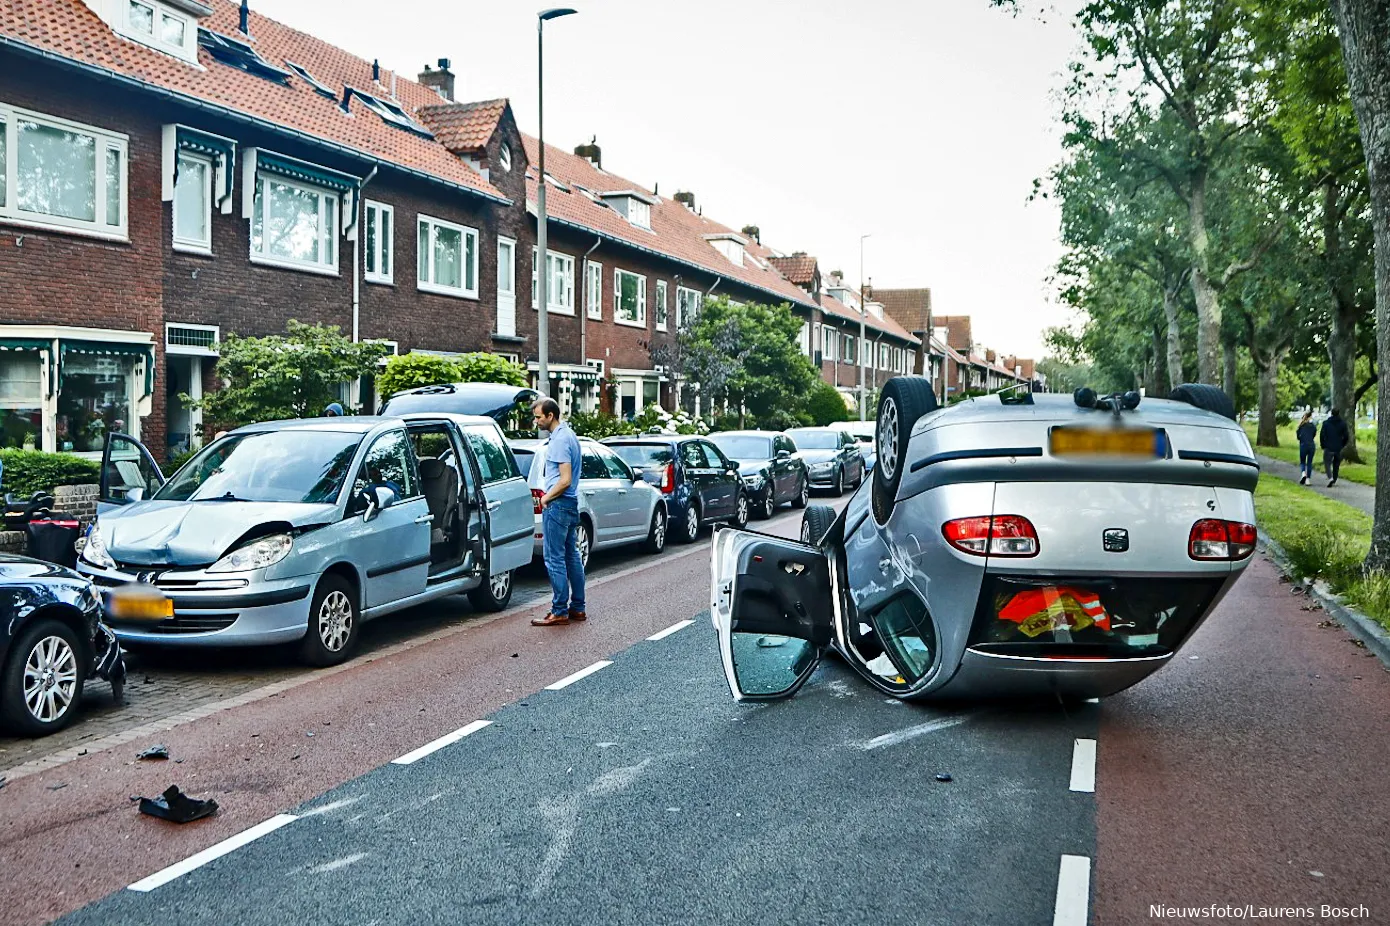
[
  {"x": 390, "y": 112},
  {"x": 634, "y": 206},
  {"x": 238, "y": 54},
  {"x": 730, "y": 245},
  {"x": 321, "y": 88}
]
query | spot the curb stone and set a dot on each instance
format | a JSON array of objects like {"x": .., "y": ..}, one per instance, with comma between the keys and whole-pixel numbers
[{"x": 1360, "y": 626}]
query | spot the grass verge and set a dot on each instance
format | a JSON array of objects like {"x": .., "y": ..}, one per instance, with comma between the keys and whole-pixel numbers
[
  {"x": 1324, "y": 539},
  {"x": 1287, "y": 451}
]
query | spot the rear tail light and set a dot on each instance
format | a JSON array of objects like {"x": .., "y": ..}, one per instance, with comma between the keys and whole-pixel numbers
[
  {"x": 536, "y": 496},
  {"x": 1215, "y": 539},
  {"x": 668, "y": 479},
  {"x": 1000, "y": 535}
]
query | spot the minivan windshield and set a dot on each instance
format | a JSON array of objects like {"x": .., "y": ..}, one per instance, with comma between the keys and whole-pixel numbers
[
  {"x": 266, "y": 466},
  {"x": 812, "y": 439},
  {"x": 743, "y": 446}
]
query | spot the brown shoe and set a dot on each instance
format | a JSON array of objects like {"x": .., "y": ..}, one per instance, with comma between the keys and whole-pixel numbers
[
  {"x": 550, "y": 620},
  {"x": 578, "y": 615}
]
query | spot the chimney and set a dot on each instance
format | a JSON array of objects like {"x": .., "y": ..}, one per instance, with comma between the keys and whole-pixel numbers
[
  {"x": 441, "y": 80},
  {"x": 686, "y": 199},
  {"x": 591, "y": 152},
  {"x": 376, "y": 70},
  {"x": 752, "y": 231},
  {"x": 245, "y": 17}
]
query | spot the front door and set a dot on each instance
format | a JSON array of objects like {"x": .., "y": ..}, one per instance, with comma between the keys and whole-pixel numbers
[
  {"x": 772, "y": 604},
  {"x": 126, "y": 466},
  {"x": 632, "y": 504},
  {"x": 391, "y": 545},
  {"x": 599, "y": 493},
  {"x": 724, "y": 479},
  {"x": 506, "y": 287},
  {"x": 511, "y": 519}
]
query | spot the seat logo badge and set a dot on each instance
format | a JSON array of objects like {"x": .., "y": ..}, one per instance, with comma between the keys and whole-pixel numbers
[{"x": 1115, "y": 540}]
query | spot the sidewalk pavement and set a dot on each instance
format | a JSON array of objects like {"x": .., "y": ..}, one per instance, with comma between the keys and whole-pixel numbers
[{"x": 1348, "y": 493}]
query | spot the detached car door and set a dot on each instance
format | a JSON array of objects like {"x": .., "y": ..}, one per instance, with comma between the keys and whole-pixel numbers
[
  {"x": 772, "y": 603},
  {"x": 511, "y": 513},
  {"x": 126, "y": 465}
]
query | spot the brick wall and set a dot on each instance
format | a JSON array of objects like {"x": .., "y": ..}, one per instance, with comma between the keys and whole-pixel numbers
[{"x": 80, "y": 501}]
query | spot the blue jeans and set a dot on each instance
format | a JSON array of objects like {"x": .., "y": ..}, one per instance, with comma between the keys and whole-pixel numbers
[
  {"x": 560, "y": 544},
  {"x": 1305, "y": 459}
]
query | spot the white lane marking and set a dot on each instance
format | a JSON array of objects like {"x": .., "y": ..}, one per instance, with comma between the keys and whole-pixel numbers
[
  {"x": 582, "y": 673},
  {"x": 446, "y": 740},
  {"x": 334, "y": 865},
  {"x": 1073, "y": 891},
  {"x": 212, "y": 853},
  {"x": 921, "y": 729},
  {"x": 1083, "y": 765},
  {"x": 678, "y": 625},
  {"x": 331, "y": 806}
]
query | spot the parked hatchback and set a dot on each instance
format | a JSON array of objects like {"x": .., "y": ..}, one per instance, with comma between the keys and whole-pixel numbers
[
  {"x": 700, "y": 483},
  {"x": 616, "y": 505},
  {"x": 297, "y": 531},
  {"x": 832, "y": 458},
  {"x": 771, "y": 470}
]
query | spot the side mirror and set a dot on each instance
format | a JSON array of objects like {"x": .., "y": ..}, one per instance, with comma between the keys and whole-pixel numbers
[
  {"x": 134, "y": 495},
  {"x": 784, "y": 455},
  {"x": 377, "y": 499},
  {"x": 733, "y": 464},
  {"x": 638, "y": 474}
]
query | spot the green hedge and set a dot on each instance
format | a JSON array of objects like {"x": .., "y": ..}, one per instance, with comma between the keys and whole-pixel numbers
[{"x": 30, "y": 471}]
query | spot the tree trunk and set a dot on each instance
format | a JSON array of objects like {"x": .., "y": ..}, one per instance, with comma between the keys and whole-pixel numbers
[
  {"x": 1364, "y": 26},
  {"x": 1267, "y": 435},
  {"x": 1341, "y": 352},
  {"x": 1228, "y": 369},
  {"x": 1203, "y": 290},
  {"x": 1170, "y": 314},
  {"x": 1153, "y": 370}
]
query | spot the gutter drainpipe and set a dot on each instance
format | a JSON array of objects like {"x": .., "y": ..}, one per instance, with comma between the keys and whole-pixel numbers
[
  {"x": 357, "y": 257},
  {"x": 584, "y": 319}
]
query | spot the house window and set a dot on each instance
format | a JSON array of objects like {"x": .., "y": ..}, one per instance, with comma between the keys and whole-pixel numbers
[
  {"x": 662, "y": 309},
  {"x": 639, "y": 213},
  {"x": 448, "y": 258},
  {"x": 687, "y": 306},
  {"x": 380, "y": 234},
  {"x": 319, "y": 87},
  {"x": 96, "y": 397},
  {"x": 593, "y": 298},
  {"x": 629, "y": 299},
  {"x": 827, "y": 342},
  {"x": 59, "y": 174},
  {"x": 294, "y": 225},
  {"x": 804, "y": 339},
  {"x": 21, "y": 399},
  {"x": 883, "y": 356},
  {"x": 560, "y": 282},
  {"x": 154, "y": 25},
  {"x": 193, "y": 203},
  {"x": 504, "y": 157},
  {"x": 849, "y": 342}
]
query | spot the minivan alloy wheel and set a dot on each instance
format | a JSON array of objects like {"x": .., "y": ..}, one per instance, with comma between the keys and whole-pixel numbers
[
  {"x": 499, "y": 584},
  {"x": 335, "y": 621},
  {"x": 584, "y": 542},
  {"x": 50, "y": 679}
]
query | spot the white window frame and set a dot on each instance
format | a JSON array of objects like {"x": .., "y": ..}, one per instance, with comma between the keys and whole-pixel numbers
[
  {"x": 385, "y": 247},
  {"x": 663, "y": 305},
  {"x": 504, "y": 157},
  {"x": 828, "y": 343},
  {"x": 428, "y": 286},
  {"x": 803, "y": 339},
  {"x": 593, "y": 291},
  {"x": 641, "y": 320},
  {"x": 189, "y": 350},
  {"x": 884, "y": 357},
  {"x": 191, "y": 244},
  {"x": 125, "y": 25},
  {"x": 699, "y": 298},
  {"x": 103, "y": 142},
  {"x": 639, "y": 213},
  {"x": 565, "y": 306},
  {"x": 327, "y": 230}
]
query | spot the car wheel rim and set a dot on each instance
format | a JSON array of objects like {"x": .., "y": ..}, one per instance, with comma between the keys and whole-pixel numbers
[
  {"x": 692, "y": 523},
  {"x": 335, "y": 621},
  {"x": 805, "y": 493},
  {"x": 500, "y": 584},
  {"x": 742, "y": 511},
  {"x": 888, "y": 437},
  {"x": 805, "y": 533},
  {"x": 50, "y": 679},
  {"x": 584, "y": 545},
  {"x": 769, "y": 506},
  {"x": 659, "y": 531}
]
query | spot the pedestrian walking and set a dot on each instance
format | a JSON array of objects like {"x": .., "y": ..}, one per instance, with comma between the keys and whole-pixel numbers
[
  {"x": 1307, "y": 433},
  {"x": 560, "y": 516},
  {"x": 1334, "y": 439}
]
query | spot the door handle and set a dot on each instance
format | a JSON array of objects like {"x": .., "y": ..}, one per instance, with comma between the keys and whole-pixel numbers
[
  {"x": 622, "y": 491},
  {"x": 588, "y": 492},
  {"x": 424, "y": 519},
  {"x": 493, "y": 506}
]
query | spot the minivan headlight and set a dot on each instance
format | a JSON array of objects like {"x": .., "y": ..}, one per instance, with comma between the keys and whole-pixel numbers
[
  {"x": 94, "y": 550},
  {"x": 258, "y": 554}
]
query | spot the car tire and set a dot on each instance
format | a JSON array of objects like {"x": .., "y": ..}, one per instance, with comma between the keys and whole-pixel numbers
[
  {"x": 494, "y": 594},
  {"x": 904, "y": 400},
  {"x": 740, "y": 519},
  {"x": 51, "y": 646},
  {"x": 816, "y": 520},
  {"x": 803, "y": 493},
  {"x": 656, "y": 533},
  {"x": 769, "y": 506},
  {"x": 334, "y": 617},
  {"x": 690, "y": 528},
  {"x": 1206, "y": 397}
]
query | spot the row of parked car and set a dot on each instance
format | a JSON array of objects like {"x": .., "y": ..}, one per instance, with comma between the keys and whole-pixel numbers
[{"x": 296, "y": 532}]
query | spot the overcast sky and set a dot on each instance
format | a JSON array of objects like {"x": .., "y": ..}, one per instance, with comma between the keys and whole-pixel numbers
[{"x": 920, "y": 122}]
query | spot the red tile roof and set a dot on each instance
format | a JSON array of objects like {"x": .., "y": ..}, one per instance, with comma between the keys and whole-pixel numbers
[
  {"x": 463, "y": 126},
  {"x": 909, "y": 307},
  {"x": 69, "y": 29},
  {"x": 798, "y": 268}
]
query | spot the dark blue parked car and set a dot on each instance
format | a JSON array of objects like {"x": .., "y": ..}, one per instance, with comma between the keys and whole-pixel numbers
[{"x": 700, "y": 483}]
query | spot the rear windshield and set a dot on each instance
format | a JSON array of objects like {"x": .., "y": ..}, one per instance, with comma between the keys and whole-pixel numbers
[
  {"x": 644, "y": 455},
  {"x": 816, "y": 440},
  {"x": 741, "y": 447}
]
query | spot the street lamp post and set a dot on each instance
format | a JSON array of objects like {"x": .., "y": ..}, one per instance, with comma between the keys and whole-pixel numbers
[
  {"x": 543, "y": 268},
  {"x": 863, "y": 314}
]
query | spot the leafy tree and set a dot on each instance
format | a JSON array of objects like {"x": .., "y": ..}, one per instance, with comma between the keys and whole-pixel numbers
[
  {"x": 826, "y": 405},
  {"x": 294, "y": 375},
  {"x": 411, "y": 371}
]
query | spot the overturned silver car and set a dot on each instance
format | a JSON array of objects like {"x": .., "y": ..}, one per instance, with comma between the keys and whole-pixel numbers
[{"x": 1016, "y": 544}]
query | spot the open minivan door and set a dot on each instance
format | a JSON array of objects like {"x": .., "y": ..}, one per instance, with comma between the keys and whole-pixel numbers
[
  {"x": 772, "y": 602},
  {"x": 128, "y": 473}
]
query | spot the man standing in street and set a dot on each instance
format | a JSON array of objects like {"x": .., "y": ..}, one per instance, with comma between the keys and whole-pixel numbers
[
  {"x": 1334, "y": 439},
  {"x": 560, "y": 516}
]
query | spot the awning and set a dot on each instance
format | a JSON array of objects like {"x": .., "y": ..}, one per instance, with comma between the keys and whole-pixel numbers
[
  {"x": 309, "y": 173},
  {"x": 110, "y": 349},
  {"x": 25, "y": 344}
]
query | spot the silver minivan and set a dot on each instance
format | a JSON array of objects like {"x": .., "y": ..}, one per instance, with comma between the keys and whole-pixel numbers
[{"x": 297, "y": 531}]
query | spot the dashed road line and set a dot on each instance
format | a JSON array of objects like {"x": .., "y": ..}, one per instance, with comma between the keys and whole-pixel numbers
[
  {"x": 447, "y": 739},
  {"x": 1073, "y": 891},
  {"x": 678, "y": 625},
  {"x": 582, "y": 673},
  {"x": 1083, "y": 765},
  {"x": 212, "y": 853}
]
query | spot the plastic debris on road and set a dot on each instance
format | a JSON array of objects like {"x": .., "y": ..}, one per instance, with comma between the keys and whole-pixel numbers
[
  {"x": 943, "y": 776},
  {"x": 177, "y": 807},
  {"x": 157, "y": 751}
]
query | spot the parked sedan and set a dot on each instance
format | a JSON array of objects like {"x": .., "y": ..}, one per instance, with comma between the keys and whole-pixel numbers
[
  {"x": 862, "y": 431},
  {"x": 297, "y": 531},
  {"x": 771, "y": 470},
  {"x": 701, "y": 485},
  {"x": 616, "y": 505},
  {"x": 832, "y": 458},
  {"x": 52, "y": 641}
]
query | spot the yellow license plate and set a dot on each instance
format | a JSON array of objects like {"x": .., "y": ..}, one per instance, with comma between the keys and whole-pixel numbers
[
  {"x": 1114, "y": 442},
  {"x": 140, "y": 604}
]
